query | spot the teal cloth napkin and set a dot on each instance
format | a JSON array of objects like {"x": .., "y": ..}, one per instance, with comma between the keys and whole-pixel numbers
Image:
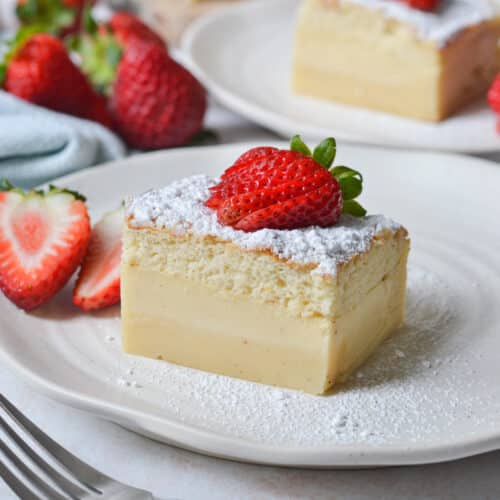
[{"x": 37, "y": 145}]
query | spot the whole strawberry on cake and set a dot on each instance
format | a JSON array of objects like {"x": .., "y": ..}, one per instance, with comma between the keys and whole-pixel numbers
[{"x": 271, "y": 273}]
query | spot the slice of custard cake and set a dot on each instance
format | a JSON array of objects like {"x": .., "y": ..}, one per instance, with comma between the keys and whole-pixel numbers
[
  {"x": 299, "y": 308},
  {"x": 388, "y": 56}
]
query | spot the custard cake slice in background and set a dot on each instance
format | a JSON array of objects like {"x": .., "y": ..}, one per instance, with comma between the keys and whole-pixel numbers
[
  {"x": 298, "y": 308},
  {"x": 385, "y": 55}
]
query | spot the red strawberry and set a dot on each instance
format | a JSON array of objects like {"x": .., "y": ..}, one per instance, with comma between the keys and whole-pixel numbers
[
  {"x": 261, "y": 172},
  {"x": 126, "y": 26},
  {"x": 253, "y": 154},
  {"x": 156, "y": 102},
  {"x": 427, "y": 5},
  {"x": 494, "y": 95},
  {"x": 43, "y": 237},
  {"x": 286, "y": 189},
  {"x": 40, "y": 71},
  {"x": 98, "y": 284}
]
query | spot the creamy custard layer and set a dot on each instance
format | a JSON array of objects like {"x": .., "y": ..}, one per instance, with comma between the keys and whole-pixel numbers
[
  {"x": 355, "y": 55},
  {"x": 169, "y": 317}
]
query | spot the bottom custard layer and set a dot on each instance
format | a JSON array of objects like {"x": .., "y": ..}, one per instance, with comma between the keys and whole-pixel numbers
[{"x": 171, "y": 318}]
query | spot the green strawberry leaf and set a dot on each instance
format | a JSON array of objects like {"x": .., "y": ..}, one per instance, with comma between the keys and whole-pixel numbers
[
  {"x": 89, "y": 24},
  {"x": 55, "y": 190},
  {"x": 351, "y": 184},
  {"x": 6, "y": 185},
  {"x": 324, "y": 153},
  {"x": 27, "y": 10},
  {"x": 352, "y": 207},
  {"x": 351, "y": 188},
  {"x": 342, "y": 171},
  {"x": 72, "y": 43},
  {"x": 298, "y": 145}
]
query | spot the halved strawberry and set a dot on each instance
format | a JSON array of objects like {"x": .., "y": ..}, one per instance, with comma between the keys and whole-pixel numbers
[
  {"x": 43, "y": 237},
  {"x": 98, "y": 284}
]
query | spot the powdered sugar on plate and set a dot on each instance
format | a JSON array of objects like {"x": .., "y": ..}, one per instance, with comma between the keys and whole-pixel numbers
[
  {"x": 450, "y": 18},
  {"x": 180, "y": 207},
  {"x": 406, "y": 391}
]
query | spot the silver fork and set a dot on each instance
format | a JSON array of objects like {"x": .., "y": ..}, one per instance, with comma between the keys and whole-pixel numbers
[{"x": 32, "y": 477}]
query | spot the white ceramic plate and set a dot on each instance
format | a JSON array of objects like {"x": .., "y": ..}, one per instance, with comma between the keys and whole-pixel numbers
[
  {"x": 430, "y": 393},
  {"x": 245, "y": 62}
]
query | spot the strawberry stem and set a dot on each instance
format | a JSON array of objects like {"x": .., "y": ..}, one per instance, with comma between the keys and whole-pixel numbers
[{"x": 350, "y": 181}]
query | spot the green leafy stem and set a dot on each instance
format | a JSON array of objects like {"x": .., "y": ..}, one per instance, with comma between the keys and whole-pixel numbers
[{"x": 350, "y": 181}]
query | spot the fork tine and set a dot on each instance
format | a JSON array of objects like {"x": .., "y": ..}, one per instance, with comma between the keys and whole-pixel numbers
[
  {"x": 29, "y": 474},
  {"x": 67, "y": 486},
  {"x": 17, "y": 486},
  {"x": 83, "y": 473}
]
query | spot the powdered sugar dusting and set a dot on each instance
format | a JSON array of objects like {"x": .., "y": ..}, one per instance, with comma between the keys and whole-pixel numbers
[
  {"x": 394, "y": 398},
  {"x": 451, "y": 17},
  {"x": 180, "y": 207}
]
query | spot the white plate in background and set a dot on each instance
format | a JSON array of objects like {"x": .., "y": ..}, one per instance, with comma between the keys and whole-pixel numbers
[
  {"x": 429, "y": 394},
  {"x": 243, "y": 56}
]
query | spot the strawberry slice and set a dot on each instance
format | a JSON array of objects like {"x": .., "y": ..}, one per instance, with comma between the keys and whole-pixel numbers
[
  {"x": 98, "y": 284},
  {"x": 43, "y": 237}
]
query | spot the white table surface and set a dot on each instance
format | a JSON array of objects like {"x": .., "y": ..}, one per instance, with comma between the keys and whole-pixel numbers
[{"x": 173, "y": 473}]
